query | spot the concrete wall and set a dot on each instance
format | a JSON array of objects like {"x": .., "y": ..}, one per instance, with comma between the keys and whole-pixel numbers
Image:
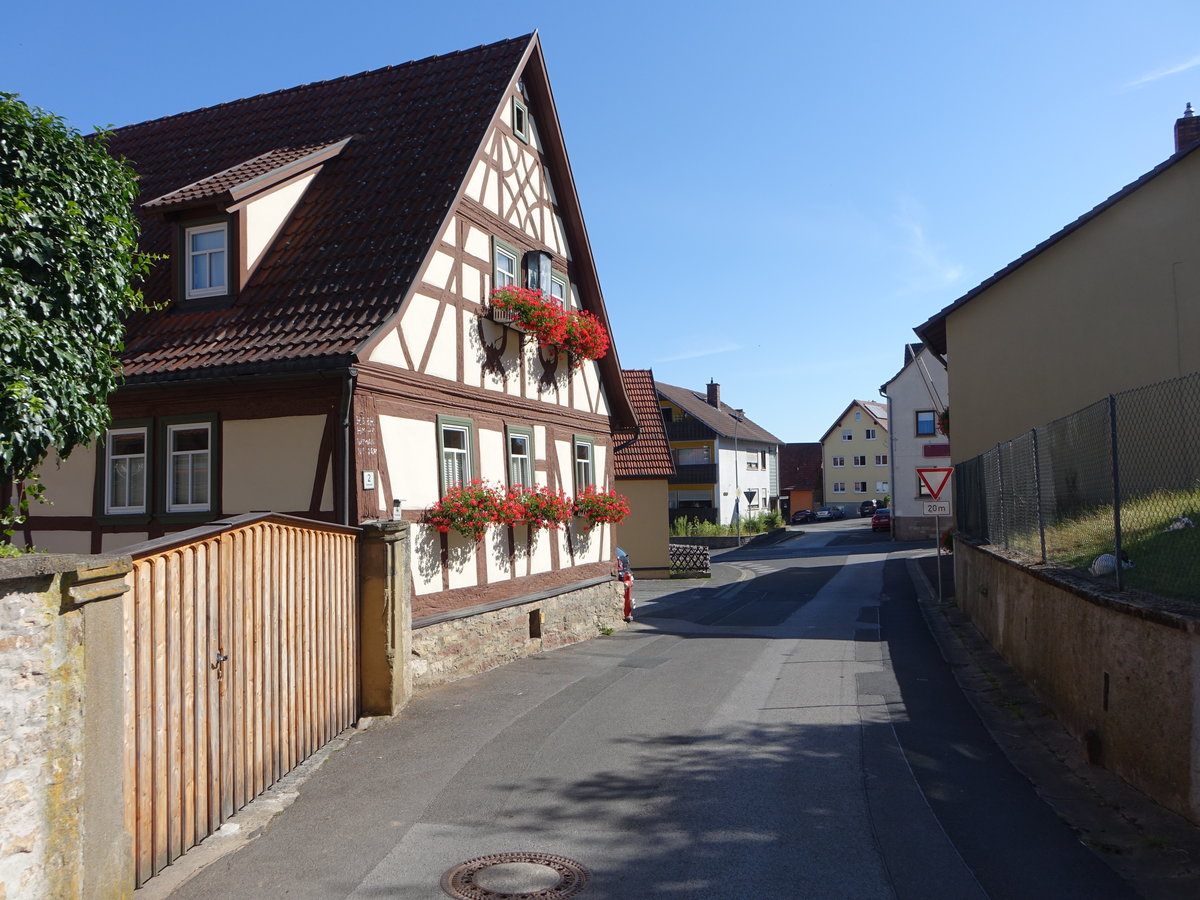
[
  {"x": 645, "y": 533},
  {"x": 1123, "y": 288},
  {"x": 62, "y": 828},
  {"x": 1122, "y": 675},
  {"x": 465, "y": 645}
]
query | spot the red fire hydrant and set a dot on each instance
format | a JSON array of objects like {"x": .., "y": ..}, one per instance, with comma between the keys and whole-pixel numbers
[{"x": 627, "y": 579}]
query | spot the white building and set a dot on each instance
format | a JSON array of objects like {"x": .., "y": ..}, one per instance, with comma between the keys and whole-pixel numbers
[{"x": 916, "y": 398}]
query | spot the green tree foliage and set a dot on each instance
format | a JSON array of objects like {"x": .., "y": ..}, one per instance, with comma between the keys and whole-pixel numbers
[{"x": 69, "y": 268}]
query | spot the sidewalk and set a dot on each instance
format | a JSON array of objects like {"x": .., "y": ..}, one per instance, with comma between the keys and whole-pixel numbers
[{"x": 1155, "y": 850}]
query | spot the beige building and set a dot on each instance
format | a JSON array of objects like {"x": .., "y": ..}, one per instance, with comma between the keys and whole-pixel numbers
[
  {"x": 854, "y": 456},
  {"x": 643, "y": 469},
  {"x": 1110, "y": 302}
]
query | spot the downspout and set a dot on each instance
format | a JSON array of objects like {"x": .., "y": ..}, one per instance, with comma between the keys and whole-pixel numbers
[{"x": 345, "y": 408}]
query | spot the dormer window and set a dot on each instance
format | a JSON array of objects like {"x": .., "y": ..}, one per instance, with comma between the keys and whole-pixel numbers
[{"x": 207, "y": 272}]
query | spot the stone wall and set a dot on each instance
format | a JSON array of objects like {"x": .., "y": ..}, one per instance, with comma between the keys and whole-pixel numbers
[
  {"x": 52, "y": 754},
  {"x": 1122, "y": 674},
  {"x": 473, "y": 641}
]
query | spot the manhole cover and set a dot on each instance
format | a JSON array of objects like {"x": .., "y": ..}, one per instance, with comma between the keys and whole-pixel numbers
[{"x": 516, "y": 876}]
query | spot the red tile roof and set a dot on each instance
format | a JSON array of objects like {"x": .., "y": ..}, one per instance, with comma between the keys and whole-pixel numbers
[
  {"x": 253, "y": 172},
  {"x": 354, "y": 244},
  {"x": 650, "y": 455}
]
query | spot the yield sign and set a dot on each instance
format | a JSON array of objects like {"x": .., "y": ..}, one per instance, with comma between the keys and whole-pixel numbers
[{"x": 935, "y": 480}]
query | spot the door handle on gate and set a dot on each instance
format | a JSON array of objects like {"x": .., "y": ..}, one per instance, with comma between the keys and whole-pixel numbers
[{"x": 221, "y": 657}]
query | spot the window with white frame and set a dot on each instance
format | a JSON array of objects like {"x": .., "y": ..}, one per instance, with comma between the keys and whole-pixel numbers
[
  {"x": 860, "y": 460},
  {"x": 189, "y": 478},
  {"x": 504, "y": 264},
  {"x": 125, "y": 470},
  {"x": 691, "y": 456},
  {"x": 839, "y": 462},
  {"x": 871, "y": 434},
  {"x": 839, "y": 487},
  {"x": 860, "y": 487},
  {"x": 207, "y": 255},
  {"x": 520, "y": 457},
  {"x": 926, "y": 423},
  {"x": 520, "y": 117},
  {"x": 585, "y": 454},
  {"x": 857, "y": 415},
  {"x": 847, "y": 434},
  {"x": 881, "y": 487},
  {"x": 881, "y": 459},
  {"x": 454, "y": 450},
  {"x": 922, "y": 489}
]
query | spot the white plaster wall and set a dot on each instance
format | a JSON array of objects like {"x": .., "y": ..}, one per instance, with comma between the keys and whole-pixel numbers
[
  {"x": 475, "y": 183},
  {"x": 59, "y": 541},
  {"x": 389, "y": 351},
  {"x": 426, "y": 547},
  {"x": 443, "y": 361},
  {"x": 473, "y": 283},
  {"x": 472, "y": 360},
  {"x": 410, "y": 447},
  {"x": 496, "y": 548},
  {"x": 543, "y": 542},
  {"x": 416, "y": 323},
  {"x": 492, "y": 456},
  {"x": 70, "y": 484},
  {"x": 111, "y": 543},
  {"x": 907, "y": 393},
  {"x": 540, "y": 451},
  {"x": 265, "y": 215},
  {"x": 450, "y": 234},
  {"x": 269, "y": 463},
  {"x": 463, "y": 572},
  {"x": 439, "y": 271},
  {"x": 478, "y": 243}
]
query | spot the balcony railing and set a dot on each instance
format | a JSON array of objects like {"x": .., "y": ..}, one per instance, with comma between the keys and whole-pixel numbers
[{"x": 704, "y": 473}]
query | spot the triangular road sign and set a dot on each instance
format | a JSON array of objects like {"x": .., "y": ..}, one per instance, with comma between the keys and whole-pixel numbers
[{"x": 935, "y": 480}]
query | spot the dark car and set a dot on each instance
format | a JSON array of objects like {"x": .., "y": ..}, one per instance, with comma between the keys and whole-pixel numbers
[
  {"x": 882, "y": 520},
  {"x": 829, "y": 512},
  {"x": 866, "y": 508},
  {"x": 800, "y": 516}
]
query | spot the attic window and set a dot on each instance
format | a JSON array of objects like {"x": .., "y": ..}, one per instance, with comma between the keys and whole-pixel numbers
[
  {"x": 520, "y": 120},
  {"x": 207, "y": 272}
]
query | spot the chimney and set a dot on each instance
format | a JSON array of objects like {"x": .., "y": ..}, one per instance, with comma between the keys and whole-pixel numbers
[
  {"x": 714, "y": 394},
  {"x": 1187, "y": 130}
]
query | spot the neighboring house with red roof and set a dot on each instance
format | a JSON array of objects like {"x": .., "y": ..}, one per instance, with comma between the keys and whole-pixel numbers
[
  {"x": 854, "y": 456},
  {"x": 643, "y": 470},
  {"x": 723, "y": 461},
  {"x": 324, "y": 346},
  {"x": 800, "y": 477}
]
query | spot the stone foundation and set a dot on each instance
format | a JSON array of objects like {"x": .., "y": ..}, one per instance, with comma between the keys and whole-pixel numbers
[{"x": 447, "y": 648}]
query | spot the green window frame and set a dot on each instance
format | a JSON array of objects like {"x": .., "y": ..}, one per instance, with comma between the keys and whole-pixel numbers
[
  {"x": 506, "y": 264},
  {"x": 456, "y": 451},
  {"x": 188, "y": 466},
  {"x": 583, "y": 456},
  {"x": 116, "y": 475},
  {"x": 520, "y": 464},
  {"x": 559, "y": 288}
]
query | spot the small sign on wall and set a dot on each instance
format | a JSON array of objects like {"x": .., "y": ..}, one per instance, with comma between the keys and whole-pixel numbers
[{"x": 937, "y": 507}]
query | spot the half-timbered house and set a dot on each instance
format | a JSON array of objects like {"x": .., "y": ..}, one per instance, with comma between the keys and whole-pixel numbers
[{"x": 323, "y": 344}]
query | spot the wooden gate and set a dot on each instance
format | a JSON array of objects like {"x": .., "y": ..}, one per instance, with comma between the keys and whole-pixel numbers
[{"x": 241, "y": 661}]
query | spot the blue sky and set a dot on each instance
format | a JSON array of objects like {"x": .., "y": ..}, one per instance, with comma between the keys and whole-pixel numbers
[{"x": 775, "y": 192}]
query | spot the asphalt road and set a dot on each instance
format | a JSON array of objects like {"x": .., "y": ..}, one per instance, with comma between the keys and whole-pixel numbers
[{"x": 788, "y": 729}]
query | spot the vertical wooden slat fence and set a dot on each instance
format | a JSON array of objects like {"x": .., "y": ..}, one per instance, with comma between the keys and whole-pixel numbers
[{"x": 241, "y": 662}]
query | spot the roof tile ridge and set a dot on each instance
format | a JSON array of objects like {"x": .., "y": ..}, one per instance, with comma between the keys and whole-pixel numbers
[{"x": 312, "y": 85}]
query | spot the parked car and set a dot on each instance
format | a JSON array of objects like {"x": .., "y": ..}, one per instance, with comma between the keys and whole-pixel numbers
[
  {"x": 866, "y": 508},
  {"x": 829, "y": 512},
  {"x": 882, "y": 520},
  {"x": 800, "y": 516}
]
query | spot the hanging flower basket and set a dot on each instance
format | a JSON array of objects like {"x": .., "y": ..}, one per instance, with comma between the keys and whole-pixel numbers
[
  {"x": 579, "y": 333},
  {"x": 944, "y": 421},
  {"x": 600, "y": 507},
  {"x": 469, "y": 509},
  {"x": 542, "y": 507}
]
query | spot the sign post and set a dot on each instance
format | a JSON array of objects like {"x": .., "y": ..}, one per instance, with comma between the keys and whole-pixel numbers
[{"x": 935, "y": 481}]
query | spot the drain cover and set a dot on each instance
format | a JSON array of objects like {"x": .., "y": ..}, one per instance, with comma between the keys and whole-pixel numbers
[{"x": 516, "y": 876}]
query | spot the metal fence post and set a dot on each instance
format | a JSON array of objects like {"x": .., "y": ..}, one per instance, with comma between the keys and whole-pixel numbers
[
  {"x": 1037, "y": 486},
  {"x": 1003, "y": 517},
  {"x": 1116, "y": 479}
]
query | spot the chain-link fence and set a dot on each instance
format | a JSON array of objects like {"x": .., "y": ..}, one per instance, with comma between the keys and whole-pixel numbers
[{"x": 1113, "y": 489}]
